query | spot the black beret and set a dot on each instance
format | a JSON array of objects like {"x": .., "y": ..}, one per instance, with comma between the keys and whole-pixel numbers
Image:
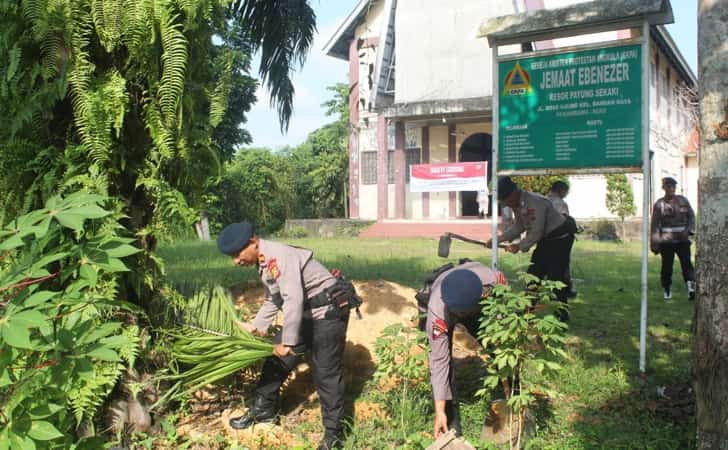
[
  {"x": 461, "y": 290},
  {"x": 506, "y": 186},
  {"x": 669, "y": 181},
  {"x": 234, "y": 238}
]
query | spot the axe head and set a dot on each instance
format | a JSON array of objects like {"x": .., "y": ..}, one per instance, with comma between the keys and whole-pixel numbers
[{"x": 443, "y": 247}]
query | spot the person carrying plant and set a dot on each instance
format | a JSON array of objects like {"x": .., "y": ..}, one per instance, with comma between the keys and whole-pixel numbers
[
  {"x": 454, "y": 298},
  {"x": 672, "y": 224},
  {"x": 551, "y": 232},
  {"x": 315, "y": 306}
]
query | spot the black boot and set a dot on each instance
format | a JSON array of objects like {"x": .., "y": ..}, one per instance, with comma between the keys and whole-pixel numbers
[
  {"x": 331, "y": 441},
  {"x": 262, "y": 411}
]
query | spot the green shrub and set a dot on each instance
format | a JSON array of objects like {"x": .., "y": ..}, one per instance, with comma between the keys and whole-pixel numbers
[
  {"x": 604, "y": 230},
  {"x": 62, "y": 343},
  {"x": 351, "y": 229},
  {"x": 516, "y": 335},
  {"x": 402, "y": 355},
  {"x": 293, "y": 232}
]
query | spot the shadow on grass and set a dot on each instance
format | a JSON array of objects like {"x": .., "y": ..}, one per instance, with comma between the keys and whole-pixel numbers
[{"x": 638, "y": 418}]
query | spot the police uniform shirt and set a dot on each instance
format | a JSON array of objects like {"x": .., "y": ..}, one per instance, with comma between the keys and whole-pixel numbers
[
  {"x": 295, "y": 275},
  {"x": 559, "y": 204},
  {"x": 536, "y": 216},
  {"x": 440, "y": 324},
  {"x": 672, "y": 219}
]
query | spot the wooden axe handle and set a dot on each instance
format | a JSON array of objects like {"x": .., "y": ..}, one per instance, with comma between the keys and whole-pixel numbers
[{"x": 471, "y": 240}]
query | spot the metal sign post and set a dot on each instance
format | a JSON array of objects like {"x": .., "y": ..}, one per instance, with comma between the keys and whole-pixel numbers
[
  {"x": 645, "y": 188},
  {"x": 494, "y": 159}
]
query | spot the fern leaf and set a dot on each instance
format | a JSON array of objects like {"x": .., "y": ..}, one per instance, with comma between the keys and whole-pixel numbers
[{"x": 174, "y": 65}]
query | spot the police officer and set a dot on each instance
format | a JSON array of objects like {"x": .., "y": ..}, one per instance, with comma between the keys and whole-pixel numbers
[
  {"x": 315, "y": 318},
  {"x": 557, "y": 193},
  {"x": 673, "y": 222},
  {"x": 455, "y": 298},
  {"x": 551, "y": 232}
]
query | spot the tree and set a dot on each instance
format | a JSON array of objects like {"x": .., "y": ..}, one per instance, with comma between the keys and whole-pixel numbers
[
  {"x": 710, "y": 348},
  {"x": 321, "y": 163},
  {"x": 620, "y": 200},
  {"x": 131, "y": 99},
  {"x": 257, "y": 186}
]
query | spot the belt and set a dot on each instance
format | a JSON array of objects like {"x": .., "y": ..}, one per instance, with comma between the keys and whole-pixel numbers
[{"x": 672, "y": 229}]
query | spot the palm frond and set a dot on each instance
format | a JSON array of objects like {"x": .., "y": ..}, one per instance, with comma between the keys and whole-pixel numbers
[
  {"x": 210, "y": 342},
  {"x": 283, "y": 31}
]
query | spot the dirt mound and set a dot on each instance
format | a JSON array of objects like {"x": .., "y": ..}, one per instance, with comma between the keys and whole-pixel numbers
[{"x": 385, "y": 303}]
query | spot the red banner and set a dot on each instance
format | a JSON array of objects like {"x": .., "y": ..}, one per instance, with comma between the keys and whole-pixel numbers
[{"x": 446, "y": 177}]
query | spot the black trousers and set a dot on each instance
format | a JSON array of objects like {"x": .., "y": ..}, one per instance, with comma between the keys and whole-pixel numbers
[
  {"x": 325, "y": 339},
  {"x": 551, "y": 259},
  {"x": 667, "y": 251}
]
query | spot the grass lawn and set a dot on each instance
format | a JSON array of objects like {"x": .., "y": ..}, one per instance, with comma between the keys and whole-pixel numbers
[{"x": 598, "y": 400}]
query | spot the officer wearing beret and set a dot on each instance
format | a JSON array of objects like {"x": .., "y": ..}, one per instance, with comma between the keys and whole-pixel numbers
[
  {"x": 673, "y": 222},
  {"x": 315, "y": 318},
  {"x": 454, "y": 299},
  {"x": 551, "y": 232}
]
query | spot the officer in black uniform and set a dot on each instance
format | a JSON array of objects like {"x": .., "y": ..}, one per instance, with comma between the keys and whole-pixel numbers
[
  {"x": 551, "y": 232},
  {"x": 315, "y": 307},
  {"x": 672, "y": 225}
]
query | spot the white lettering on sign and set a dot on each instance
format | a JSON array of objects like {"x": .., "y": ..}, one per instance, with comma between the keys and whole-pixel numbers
[
  {"x": 583, "y": 76},
  {"x": 551, "y": 79},
  {"x": 606, "y": 73}
]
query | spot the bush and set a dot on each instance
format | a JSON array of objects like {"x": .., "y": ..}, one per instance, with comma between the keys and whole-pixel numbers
[
  {"x": 351, "y": 229},
  {"x": 516, "y": 335},
  {"x": 63, "y": 344},
  {"x": 604, "y": 230},
  {"x": 293, "y": 232}
]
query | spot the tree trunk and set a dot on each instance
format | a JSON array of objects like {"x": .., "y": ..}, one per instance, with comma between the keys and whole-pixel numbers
[{"x": 710, "y": 351}]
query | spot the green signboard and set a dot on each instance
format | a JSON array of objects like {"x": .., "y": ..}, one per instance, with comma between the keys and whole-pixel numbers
[{"x": 581, "y": 109}]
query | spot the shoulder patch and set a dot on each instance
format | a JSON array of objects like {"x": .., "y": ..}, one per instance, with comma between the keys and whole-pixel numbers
[
  {"x": 275, "y": 272},
  {"x": 439, "y": 328},
  {"x": 501, "y": 278}
]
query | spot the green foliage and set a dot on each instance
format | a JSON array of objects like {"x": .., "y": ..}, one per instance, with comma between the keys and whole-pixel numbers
[
  {"x": 321, "y": 164},
  {"x": 402, "y": 355},
  {"x": 620, "y": 200},
  {"x": 267, "y": 187},
  {"x": 293, "y": 232},
  {"x": 256, "y": 186},
  {"x": 140, "y": 101},
  {"x": 516, "y": 336},
  {"x": 62, "y": 344},
  {"x": 604, "y": 230},
  {"x": 540, "y": 184}
]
